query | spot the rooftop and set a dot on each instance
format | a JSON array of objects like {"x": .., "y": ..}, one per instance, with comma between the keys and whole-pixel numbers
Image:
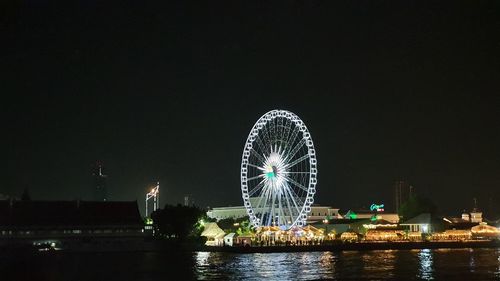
[{"x": 68, "y": 213}]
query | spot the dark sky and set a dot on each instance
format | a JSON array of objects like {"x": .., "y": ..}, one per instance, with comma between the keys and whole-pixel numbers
[{"x": 388, "y": 90}]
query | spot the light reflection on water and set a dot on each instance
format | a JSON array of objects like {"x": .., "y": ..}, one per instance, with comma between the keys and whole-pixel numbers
[
  {"x": 497, "y": 272},
  {"x": 425, "y": 261},
  {"x": 379, "y": 265},
  {"x": 426, "y": 264},
  {"x": 441, "y": 264},
  {"x": 472, "y": 261}
]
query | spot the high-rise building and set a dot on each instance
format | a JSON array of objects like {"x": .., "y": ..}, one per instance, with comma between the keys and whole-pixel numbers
[
  {"x": 100, "y": 191},
  {"x": 402, "y": 192}
]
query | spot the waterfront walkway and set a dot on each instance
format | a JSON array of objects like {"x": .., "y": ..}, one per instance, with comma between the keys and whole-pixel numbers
[{"x": 356, "y": 246}]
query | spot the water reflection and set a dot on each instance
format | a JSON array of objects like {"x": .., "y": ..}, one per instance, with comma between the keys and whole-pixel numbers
[
  {"x": 472, "y": 260},
  {"x": 327, "y": 260},
  {"x": 202, "y": 258},
  {"x": 497, "y": 273},
  {"x": 426, "y": 263},
  {"x": 446, "y": 264},
  {"x": 379, "y": 264}
]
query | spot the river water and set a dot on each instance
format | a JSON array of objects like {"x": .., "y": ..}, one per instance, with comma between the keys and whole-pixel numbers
[{"x": 440, "y": 264}]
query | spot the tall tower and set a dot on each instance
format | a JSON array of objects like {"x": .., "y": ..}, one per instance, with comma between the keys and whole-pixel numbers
[
  {"x": 155, "y": 195},
  {"x": 100, "y": 191},
  {"x": 402, "y": 192}
]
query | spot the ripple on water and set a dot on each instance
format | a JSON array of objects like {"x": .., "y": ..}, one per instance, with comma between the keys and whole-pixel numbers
[{"x": 425, "y": 264}]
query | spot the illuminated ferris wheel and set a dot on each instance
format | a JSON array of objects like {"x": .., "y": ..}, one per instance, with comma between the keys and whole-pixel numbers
[{"x": 278, "y": 171}]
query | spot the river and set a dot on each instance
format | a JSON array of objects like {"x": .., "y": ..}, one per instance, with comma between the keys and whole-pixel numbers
[{"x": 438, "y": 264}]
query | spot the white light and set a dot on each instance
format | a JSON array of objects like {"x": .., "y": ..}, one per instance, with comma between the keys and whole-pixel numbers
[
  {"x": 425, "y": 228},
  {"x": 279, "y": 171}
]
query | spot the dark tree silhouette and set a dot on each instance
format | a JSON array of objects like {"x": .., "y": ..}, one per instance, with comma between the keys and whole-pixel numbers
[
  {"x": 178, "y": 222},
  {"x": 416, "y": 205},
  {"x": 25, "y": 196}
]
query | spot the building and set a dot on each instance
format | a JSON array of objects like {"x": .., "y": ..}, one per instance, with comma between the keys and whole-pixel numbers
[
  {"x": 221, "y": 213},
  {"x": 214, "y": 234},
  {"x": 229, "y": 239},
  {"x": 466, "y": 221},
  {"x": 383, "y": 230},
  {"x": 100, "y": 189},
  {"x": 71, "y": 224},
  {"x": 422, "y": 223},
  {"x": 339, "y": 226},
  {"x": 402, "y": 192},
  {"x": 318, "y": 213},
  {"x": 476, "y": 216},
  {"x": 485, "y": 231},
  {"x": 373, "y": 215}
]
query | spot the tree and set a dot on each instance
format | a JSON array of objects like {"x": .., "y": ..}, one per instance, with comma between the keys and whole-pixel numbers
[
  {"x": 245, "y": 227},
  {"x": 178, "y": 222},
  {"x": 240, "y": 225},
  {"x": 416, "y": 205}
]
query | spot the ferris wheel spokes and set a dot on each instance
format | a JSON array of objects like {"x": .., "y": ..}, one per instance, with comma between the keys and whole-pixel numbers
[{"x": 278, "y": 171}]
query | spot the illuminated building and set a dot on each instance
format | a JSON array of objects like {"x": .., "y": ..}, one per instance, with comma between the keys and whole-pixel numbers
[
  {"x": 453, "y": 234},
  {"x": 384, "y": 235},
  {"x": 383, "y": 230},
  {"x": 227, "y": 212},
  {"x": 214, "y": 234},
  {"x": 317, "y": 213},
  {"x": 423, "y": 223},
  {"x": 380, "y": 224},
  {"x": 342, "y": 225},
  {"x": 349, "y": 236},
  {"x": 476, "y": 216},
  {"x": 367, "y": 214},
  {"x": 485, "y": 231},
  {"x": 229, "y": 239},
  {"x": 466, "y": 221}
]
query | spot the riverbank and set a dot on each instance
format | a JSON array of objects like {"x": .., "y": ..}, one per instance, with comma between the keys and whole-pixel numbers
[
  {"x": 359, "y": 246},
  {"x": 173, "y": 246}
]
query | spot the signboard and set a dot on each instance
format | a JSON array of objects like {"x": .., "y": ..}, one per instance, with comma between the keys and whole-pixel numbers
[{"x": 377, "y": 207}]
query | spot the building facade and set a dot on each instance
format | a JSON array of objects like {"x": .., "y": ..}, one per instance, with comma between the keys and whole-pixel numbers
[
  {"x": 71, "y": 224},
  {"x": 318, "y": 213}
]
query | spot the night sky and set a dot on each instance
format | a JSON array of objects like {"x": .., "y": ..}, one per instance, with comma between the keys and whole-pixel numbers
[{"x": 388, "y": 90}]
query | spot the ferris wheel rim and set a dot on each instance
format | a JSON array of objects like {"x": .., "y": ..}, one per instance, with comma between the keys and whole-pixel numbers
[{"x": 305, "y": 207}]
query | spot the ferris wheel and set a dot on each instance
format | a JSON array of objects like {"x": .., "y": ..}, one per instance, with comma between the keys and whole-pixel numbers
[{"x": 278, "y": 171}]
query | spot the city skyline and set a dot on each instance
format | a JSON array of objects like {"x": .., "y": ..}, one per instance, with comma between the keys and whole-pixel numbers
[{"x": 171, "y": 97}]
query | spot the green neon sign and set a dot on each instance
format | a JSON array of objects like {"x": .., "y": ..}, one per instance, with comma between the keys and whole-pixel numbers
[{"x": 376, "y": 207}]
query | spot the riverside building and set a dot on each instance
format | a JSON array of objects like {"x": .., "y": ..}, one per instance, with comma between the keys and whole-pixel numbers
[{"x": 71, "y": 224}]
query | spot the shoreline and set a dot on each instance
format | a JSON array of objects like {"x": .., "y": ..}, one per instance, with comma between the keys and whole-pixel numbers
[
  {"x": 359, "y": 246},
  {"x": 168, "y": 246}
]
